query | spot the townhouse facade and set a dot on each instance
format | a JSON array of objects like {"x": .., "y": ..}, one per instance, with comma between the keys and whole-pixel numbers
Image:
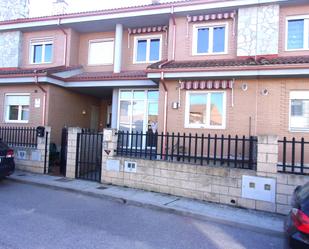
[{"x": 218, "y": 67}]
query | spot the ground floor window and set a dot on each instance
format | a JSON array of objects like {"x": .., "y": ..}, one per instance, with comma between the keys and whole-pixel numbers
[
  {"x": 299, "y": 110},
  {"x": 205, "y": 109},
  {"x": 138, "y": 110},
  {"x": 17, "y": 108}
]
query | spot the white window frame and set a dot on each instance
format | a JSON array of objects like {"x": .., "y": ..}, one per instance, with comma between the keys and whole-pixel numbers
[
  {"x": 148, "y": 38},
  {"x": 297, "y": 94},
  {"x": 306, "y": 32},
  {"x": 6, "y": 110},
  {"x": 205, "y": 126},
  {"x": 43, "y": 42},
  {"x": 97, "y": 41},
  {"x": 210, "y": 41}
]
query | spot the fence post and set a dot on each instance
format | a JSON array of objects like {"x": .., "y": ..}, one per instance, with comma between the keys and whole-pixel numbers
[
  {"x": 267, "y": 154},
  {"x": 71, "y": 151},
  {"x": 109, "y": 148},
  {"x": 43, "y": 148}
]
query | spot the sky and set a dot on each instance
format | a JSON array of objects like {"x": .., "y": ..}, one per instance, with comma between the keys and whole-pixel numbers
[{"x": 44, "y": 7}]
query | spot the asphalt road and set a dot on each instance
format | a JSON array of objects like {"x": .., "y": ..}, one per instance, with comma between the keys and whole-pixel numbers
[{"x": 33, "y": 217}]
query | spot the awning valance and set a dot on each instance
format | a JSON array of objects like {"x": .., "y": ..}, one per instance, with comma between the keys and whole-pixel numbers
[
  {"x": 147, "y": 30},
  {"x": 208, "y": 17},
  {"x": 206, "y": 84}
]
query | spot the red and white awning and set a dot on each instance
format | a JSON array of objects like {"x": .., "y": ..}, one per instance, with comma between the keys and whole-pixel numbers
[
  {"x": 208, "y": 17},
  {"x": 148, "y": 30},
  {"x": 206, "y": 84}
]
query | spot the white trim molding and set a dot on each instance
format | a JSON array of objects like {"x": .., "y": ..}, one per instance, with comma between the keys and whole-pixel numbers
[
  {"x": 207, "y": 125},
  {"x": 238, "y": 73},
  {"x": 148, "y": 39},
  {"x": 20, "y": 106},
  {"x": 300, "y": 95},
  {"x": 43, "y": 42},
  {"x": 305, "y": 18},
  {"x": 210, "y": 27}
]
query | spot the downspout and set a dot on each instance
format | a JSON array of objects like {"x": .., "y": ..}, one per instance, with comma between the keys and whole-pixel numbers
[
  {"x": 165, "y": 111},
  {"x": 165, "y": 104},
  {"x": 65, "y": 42},
  {"x": 36, "y": 81},
  {"x": 174, "y": 33}
]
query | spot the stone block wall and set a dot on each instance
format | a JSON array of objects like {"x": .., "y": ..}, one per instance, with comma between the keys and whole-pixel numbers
[
  {"x": 71, "y": 151},
  {"x": 33, "y": 159},
  {"x": 11, "y": 42},
  {"x": 10, "y": 49},
  {"x": 13, "y": 9},
  {"x": 209, "y": 183}
]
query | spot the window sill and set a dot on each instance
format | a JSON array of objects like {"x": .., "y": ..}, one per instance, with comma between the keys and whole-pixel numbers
[
  {"x": 41, "y": 63},
  {"x": 205, "y": 127},
  {"x": 16, "y": 122},
  {"x": 298, "y": 130},
  {"x": 203, "y": 54},
  {"x": 144, "y": 62},
  {"x": 296, "y": 50},
  {"x": 98, "y": 65}
]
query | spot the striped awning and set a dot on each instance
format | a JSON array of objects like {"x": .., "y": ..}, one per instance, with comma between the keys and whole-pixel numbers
[
  {"x": 208, "y": 17},
  {"x": 206, "y": 84},
  {"x": 147, "y": 30}
]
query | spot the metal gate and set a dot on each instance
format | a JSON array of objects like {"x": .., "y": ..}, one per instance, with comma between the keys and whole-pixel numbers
[{"x": 89, "y": 156}]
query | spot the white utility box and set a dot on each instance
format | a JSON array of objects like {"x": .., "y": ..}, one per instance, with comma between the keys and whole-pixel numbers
[{"x": 259, "y": 188}]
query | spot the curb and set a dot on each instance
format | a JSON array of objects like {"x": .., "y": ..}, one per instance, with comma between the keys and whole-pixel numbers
[{"x": 163, "y": 208}]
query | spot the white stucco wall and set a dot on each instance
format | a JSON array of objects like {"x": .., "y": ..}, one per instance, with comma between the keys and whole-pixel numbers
[{"x": 258, "y": 30}]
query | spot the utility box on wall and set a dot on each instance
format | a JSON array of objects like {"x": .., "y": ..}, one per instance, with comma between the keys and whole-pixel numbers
[{"x": 259, "y": 188}]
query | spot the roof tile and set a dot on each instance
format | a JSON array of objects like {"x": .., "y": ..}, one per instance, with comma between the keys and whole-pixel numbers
[
  {"x": 109, "y": 76},
  {"x": 251, "y": 61}
]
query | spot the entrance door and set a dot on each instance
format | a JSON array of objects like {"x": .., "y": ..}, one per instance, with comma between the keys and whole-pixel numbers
[
  {"x": 94, "y": 118},
  {"x": 138, "y": 111}
]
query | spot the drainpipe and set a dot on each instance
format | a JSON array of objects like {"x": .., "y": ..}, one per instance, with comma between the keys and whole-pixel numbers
[
  {"x": 65, "y": 42},
  {"x": 174, "y": 33},
  {"x": 36, "y": 81},
  {"x": 165, "y": 103},
  {"x": 165, "y": 110}
]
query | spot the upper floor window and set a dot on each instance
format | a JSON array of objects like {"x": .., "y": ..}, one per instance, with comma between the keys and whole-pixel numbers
[
  {"x": 299, "y": 110},
  {"x": 147, "y": 49},
  {"x": 297, "y": 34},
  {"x": 41, "y": 52},
  {"x": 101, "y": 52},
  {"x": 205, "y": 109},
  {"x": 210, "y": 39},
  {"x": 17, "y": 108}
]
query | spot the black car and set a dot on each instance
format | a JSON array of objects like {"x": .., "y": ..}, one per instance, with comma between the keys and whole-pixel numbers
[
  {"x": 7, "y": 165},
  {"x": 297, "y": 222}
]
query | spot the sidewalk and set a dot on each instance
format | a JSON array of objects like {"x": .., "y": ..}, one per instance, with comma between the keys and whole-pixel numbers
[{"x": 249, "y": 219}]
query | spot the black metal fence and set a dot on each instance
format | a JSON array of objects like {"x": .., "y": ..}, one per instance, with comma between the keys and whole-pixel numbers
[
  {"x": 293, "y": 156},
  {"x": 231, "y": 151},
  {"x": 19, "y": 136},
  {"x": 89, "y": 156}
]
